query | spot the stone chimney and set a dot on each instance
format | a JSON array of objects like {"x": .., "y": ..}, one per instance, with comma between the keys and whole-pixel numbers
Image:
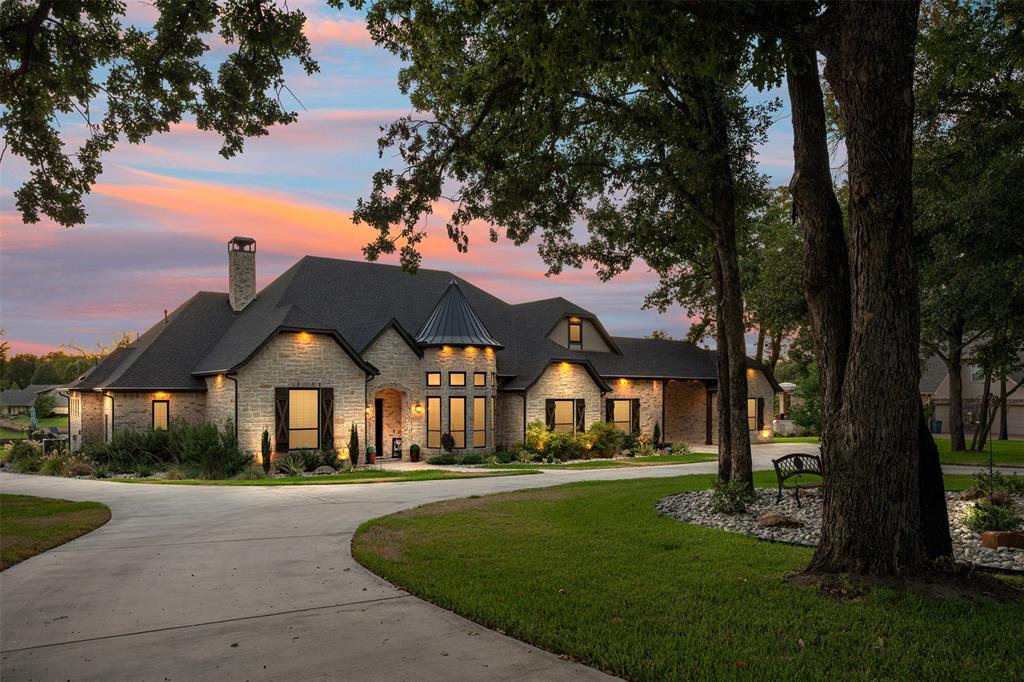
[{"x": 241, "y": 272}]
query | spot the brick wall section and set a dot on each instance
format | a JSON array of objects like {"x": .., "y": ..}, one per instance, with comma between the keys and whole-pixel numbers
[
  {"x": 564, "y": 380},
  {"x": 220, "y": 400},
  {"x": 134, "y": 411},
  {"x": 649, "y": 393},
  {"x": 87, "y": 425},
  {"x": 510, "y": 420},
  {"x": 686, "y": 413},
  {"x": 299, "y": 361}
]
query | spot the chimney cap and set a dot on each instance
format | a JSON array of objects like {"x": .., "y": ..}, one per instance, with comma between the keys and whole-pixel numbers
[{"x": 242, "y": 242}]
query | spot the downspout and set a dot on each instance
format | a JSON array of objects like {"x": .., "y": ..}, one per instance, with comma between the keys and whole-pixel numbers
[
  {"x": 524, "y": 415},
  {"x": 68, "y": 396},
  {"x": 105, "y": 394},
  {"x": 663, "y": 425},
  {"x": 235, "y": 382}
]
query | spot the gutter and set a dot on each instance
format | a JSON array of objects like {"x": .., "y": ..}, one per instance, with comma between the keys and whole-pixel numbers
[{"x": 68, "y": 396}]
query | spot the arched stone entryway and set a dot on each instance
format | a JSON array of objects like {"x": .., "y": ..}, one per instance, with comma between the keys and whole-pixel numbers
[{"x": 386, "y": 423}]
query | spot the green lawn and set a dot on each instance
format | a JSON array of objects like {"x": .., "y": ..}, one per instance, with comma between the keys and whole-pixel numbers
[
  {"x": 796, "y": 439},
  {"x": 1005, "y": 453},
  {"x": 653, "y": 460},
  {"x": 60, "y": 420},
  {"x": 364, "y": 476},
  {"x": 589, "y": 571},
  {"x": 8, "y": 434},
  {"x": 30, "y": 525}
]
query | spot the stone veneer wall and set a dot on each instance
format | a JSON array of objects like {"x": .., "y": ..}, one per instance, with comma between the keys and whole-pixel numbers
[
  {"x": 564, "y": 380},
  {"x": 649, "y": 393},
  {"x": 400, "y": 371},
  {"x": 134, "y": 411},
  {"x": 686, "y": 413},
  {"x": 510, "y": 420},
  {"x": 86, "y": 425},
  {"x": 298, "y": 360},
  {"x": 758, "y": 387}
]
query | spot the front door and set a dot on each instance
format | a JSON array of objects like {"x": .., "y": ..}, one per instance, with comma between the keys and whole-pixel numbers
[{"x": 378, "y": 426}]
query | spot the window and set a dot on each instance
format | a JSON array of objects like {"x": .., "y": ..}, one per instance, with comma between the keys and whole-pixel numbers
[
  {"x": 565, "y": 416},
  {"x": 433, "y": 378},
  {"x": 479, "y": 379},
  {"x": 575, "y": 334},
  {"x": 457, "y": 419},
  {"x": 622, "y": 415},
  {"x": 433, "y": 422},
  {"x": 755, "y": 418},
  {"x": 479, "y": 422},
  {"x": 456, "y": 378},
  {"x": 161, "y": 414},
  {"x": 303, "y": 419}
]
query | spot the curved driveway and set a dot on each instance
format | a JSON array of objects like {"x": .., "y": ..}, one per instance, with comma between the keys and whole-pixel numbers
[{"x": 252, "y": 583}]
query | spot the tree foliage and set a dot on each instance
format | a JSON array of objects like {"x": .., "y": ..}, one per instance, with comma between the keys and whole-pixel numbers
[{"x": 68, "y": 60}]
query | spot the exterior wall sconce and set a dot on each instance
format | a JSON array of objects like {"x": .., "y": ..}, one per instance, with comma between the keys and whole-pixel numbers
[
  {"x": 369, "y": 410},
  {"x": 417, "y": 408}
]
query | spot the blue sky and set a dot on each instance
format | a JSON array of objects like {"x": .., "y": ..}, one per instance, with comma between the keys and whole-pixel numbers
[{"x": 162, "y": 212}]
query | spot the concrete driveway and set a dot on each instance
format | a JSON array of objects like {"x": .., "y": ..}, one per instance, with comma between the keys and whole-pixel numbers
[{"x": 253, "y": 583}]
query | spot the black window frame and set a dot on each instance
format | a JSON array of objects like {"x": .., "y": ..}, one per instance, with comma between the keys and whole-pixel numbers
[
  {"x": 440, "y": 379},
  {"x": 572, "y": 413},
  {"x": 451, "y": 385},
  {"x": 152, "y": 410},
  {"x": 574, "y": 345},
  {"x": 465, "y": 424},
  {"x": 480, "y": 374},
  {"x": 426, "y": 424},
  {"x": 629, "y": 416},
  {"x": 289, "y": 424},
  {"x": 483, "y": 430}
]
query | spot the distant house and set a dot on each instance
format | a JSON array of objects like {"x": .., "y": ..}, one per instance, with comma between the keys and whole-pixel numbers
[
  {"x": 332, "y": 344},
  {"x": 18, "y": 401},
  {"x": 934, "y": 388}
]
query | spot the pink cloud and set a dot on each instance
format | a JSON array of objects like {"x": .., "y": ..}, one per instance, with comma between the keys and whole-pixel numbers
[
  {"x": 30, "y": 347},
  {"x": 326, "y": 32}
]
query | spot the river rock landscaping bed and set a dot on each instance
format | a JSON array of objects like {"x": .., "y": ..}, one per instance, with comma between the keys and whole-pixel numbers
[{"x": 695, "y": 507}]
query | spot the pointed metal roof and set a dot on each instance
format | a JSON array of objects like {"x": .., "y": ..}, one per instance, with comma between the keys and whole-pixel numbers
[{"x": 453, "y": 323}]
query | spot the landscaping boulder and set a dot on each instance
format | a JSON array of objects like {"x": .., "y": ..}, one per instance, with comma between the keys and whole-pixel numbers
[
  {"x": 324, "y": 471},
  {"x": 994, "y": 539},
  {"x": 777, "y": 520}
]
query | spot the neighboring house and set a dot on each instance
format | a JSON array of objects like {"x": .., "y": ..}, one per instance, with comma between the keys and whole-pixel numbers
[
  {"x": 405, "y": 358},
  {"x": 14, "y": 402},
  {"x": 934, "y": 387}
]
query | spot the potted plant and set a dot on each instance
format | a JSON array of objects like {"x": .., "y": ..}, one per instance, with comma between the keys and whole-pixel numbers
[
  {"x": 414, "y": 453},
  {"x": 371, "y": 454}
]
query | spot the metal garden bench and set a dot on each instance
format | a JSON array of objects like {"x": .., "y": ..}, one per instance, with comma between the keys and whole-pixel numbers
[{"x": 796, "y": 464}]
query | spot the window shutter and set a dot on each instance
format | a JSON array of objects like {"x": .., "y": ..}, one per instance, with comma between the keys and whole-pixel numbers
[
  {"x": 760, "y": 413},
  {"x": 280, "y": 419},
  {"x": 609, "y": 410},
  {"x": 581, "y": 415},
  {"x": 327, "y": 418},
  {"x": 549, "y": 413},
  {"x": 634, "y": 415}
]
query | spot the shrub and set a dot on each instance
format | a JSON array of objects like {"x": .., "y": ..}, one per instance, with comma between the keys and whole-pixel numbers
[
  {"x": 731, "y": 498},
  {"x": 310, "y": 459},
  {"x": 536, "y": 436},
  {"x": 28, "y": 464},
  {"x": 101, "y": 471},
  {"x": 629, "y": 442},
  {"x": 22, "y": 450},
  {"x": 211, "y": 452},
  {"x": 644, "y": 450},
  {"x": 656, "y": 436},
  {"x": 681, "y": 448},
  {"x": 127, "y": 452},
  {"x": 447, "y": 442},
  {"x": 292, "y": 465},
  {"x": 265, "y": 450},
  {"x": 329, "y": 457},
  {"x": 563, "y": 446},
  {"x": 353, "y": 446},
  {"x": 985, "y": 516},
  {"x": 504, "y": 457},
  {"x": 78, "y": 468},
  {"x": 990, "y": 482},
  {"x": 442, "y": 459},
  {"x": 473, "y": 458},
  {"x": 53, "y": 465},
  {"x": 807, "y": 414},
  {"x": 177, "y": 473},
  {"x": 605, "y": 438}
]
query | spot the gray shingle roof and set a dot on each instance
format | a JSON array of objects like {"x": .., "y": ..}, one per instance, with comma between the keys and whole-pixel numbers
[
  {"x": 25, "y": 397},
  {"x": 453, "y": 323},
  {"x": 354, "y": 301}
]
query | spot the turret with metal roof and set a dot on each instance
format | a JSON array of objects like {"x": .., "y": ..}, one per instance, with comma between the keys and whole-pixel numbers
[{"x": 453, "y": 323}]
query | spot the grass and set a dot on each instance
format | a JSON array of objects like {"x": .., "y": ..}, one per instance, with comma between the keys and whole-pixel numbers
[
  {"x": 1005, "y": 453},
  {"x": 589, "y": 571},
  {"x": 31, "y": 525},
  {"x": 56, "y": 420},
  {"x": 365, "y": 476},
  {"x": 10, "y": 434},
  {"x": 796, "y": 439},
  {"x": 652, "y": 460}
]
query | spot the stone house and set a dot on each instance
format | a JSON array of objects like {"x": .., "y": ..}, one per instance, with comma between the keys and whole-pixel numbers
[{"x": 404, "y": 358}]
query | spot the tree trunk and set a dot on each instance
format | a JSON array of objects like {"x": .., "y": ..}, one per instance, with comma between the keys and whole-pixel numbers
[
  {"x": 730, "y": 322},
  {"x": 873, "y": 514},
  {"x": 954, "y": 369},
  {"x": 1003, "y": 425},
  {"x": 759, "y": 354},
  {"x": 722, "y": 355},
  {"x": 934, "y": 514},
  {"x": 773, "y": 358}
]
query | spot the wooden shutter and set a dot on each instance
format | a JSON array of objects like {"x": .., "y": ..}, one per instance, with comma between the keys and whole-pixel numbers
[
  {"x": 581, "y": 415},
  {"x": 549, "y": 413},
  {"x": 609, "y": 410},
  {"x": 760, "y": 413},
  {"x": 280, "y": 419},
  {"x": 634, "y": 415},
  {"x": 327, "y": 418}
]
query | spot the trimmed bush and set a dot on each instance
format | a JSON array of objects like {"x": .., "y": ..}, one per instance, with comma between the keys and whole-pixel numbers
[
  {"x": 681, "y": 448},
  {"x": 442, "y": 459},
  {"x": 447, "y": 442},
  {"x": 563, "y": 446},
  {"x": 605, "y": 438},
  {"x": 473, "y": 458},
  {"x": 310, "y": 459},
  {"x": 504, "y": 457},
  {"x": 536, "y": 436},
  {"x": 292, "y": 465},
  {"x": 985, "y": 516}
]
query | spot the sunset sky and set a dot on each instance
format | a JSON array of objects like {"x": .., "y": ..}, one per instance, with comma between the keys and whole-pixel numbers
[{"x": 162, "y": 213}]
